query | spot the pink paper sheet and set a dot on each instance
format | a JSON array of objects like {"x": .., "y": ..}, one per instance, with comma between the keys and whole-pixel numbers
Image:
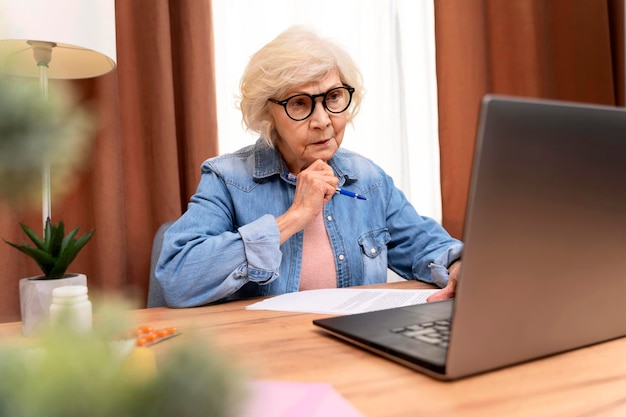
[{"x": 296, "y": 399}]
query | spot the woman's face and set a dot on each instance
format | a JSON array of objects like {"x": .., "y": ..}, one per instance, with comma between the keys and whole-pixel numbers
[{"x": 318, "y": 137}]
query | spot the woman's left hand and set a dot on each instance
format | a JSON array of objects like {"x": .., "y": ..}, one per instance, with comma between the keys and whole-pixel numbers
[{"x": 449, "y": 290}]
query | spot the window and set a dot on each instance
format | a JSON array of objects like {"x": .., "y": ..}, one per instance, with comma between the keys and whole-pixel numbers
[{"x": 392, "y": 42}]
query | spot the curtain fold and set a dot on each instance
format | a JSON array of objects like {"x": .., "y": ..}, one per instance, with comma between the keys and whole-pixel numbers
[
  {"x": 156, "y": 124},
  {"x": 558, "y": 49}
]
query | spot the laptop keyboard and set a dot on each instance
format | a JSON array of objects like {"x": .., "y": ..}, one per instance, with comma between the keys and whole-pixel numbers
[{"x": 434, "y": 332}]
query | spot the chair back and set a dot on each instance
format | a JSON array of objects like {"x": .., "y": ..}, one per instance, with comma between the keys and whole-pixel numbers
[{"x": 155, "y": 292}]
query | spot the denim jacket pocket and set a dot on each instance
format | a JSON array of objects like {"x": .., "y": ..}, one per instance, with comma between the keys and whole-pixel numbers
[{"x": 374, "y": 248}]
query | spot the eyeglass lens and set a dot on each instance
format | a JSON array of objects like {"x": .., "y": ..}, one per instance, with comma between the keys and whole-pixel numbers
[{"x": 301, "y": 106}]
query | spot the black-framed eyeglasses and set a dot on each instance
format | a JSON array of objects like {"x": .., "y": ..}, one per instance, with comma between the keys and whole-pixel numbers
[{"x": 301, "y": 106}]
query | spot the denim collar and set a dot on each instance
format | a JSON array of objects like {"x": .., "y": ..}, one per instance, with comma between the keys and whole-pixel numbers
[{"x": 268, "y": 162}]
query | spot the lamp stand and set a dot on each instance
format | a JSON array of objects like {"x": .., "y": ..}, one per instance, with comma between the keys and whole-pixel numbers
[{"x": 42, "y": 52}]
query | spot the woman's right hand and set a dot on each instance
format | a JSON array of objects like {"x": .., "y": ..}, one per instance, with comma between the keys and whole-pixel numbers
[{"x": 315, "y": 187}]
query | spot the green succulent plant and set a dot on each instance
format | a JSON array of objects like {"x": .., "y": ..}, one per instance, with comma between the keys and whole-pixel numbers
[{"x": 56, "y": 251}]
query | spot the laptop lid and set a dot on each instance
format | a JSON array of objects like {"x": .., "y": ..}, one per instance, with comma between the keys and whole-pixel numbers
[{"x": 544, "y": 266}]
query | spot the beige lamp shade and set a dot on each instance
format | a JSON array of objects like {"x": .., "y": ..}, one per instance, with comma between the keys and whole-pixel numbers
[{"x": 80, "y": 33}]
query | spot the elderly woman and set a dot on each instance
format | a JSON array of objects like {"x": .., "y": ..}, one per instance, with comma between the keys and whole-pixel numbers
[{"x": 277, "y": 216}]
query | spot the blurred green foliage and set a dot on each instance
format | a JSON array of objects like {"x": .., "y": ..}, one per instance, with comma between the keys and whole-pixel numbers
[
  {"x": 33, "y": 130},
  {"x": 78, "y": 375}
]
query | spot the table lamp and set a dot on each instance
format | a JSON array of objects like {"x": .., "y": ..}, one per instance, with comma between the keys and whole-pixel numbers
[{"x": 56, "y": 39}]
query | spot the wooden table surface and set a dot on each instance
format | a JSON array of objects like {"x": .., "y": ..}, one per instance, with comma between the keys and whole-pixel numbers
[{"x": 286, "y": 346}]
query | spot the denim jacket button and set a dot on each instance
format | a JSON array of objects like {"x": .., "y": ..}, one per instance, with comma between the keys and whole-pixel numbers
[
  {"x": 342, "y": 257},
  {"x": 329, "y": 218},
  {"x": 373, "y": 250}
]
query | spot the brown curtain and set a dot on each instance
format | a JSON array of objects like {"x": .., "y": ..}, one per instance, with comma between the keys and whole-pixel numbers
[
  {"x": 557, "y": 49},
  {"x": 157, "y": 122}
]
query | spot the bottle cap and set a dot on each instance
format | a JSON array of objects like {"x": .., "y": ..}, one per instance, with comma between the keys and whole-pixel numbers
[{"x": 69, "y": 291}]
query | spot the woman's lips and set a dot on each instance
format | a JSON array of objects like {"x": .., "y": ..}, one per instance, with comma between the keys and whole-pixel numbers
[{"x": 321, "y": 142}]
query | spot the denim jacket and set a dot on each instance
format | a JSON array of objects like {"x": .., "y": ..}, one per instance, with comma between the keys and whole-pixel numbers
[{"x": 226, "y": 245}]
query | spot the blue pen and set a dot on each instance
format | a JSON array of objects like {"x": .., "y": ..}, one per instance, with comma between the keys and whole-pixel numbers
[
  {"x": 350, "y": 194},
  {"x": 292, "y": 179}
]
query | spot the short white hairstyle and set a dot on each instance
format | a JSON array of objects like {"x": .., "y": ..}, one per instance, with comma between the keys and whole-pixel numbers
[{"x": 297, "y": 56}]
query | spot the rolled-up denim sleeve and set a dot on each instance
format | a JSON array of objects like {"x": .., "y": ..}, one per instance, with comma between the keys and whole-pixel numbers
[
  {"x": 439, "y": 267},
  {"x": 260, "y": 242}
]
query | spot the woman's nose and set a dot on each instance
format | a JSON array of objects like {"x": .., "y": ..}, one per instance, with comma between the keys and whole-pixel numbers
[{"x": 320, "y": 116}]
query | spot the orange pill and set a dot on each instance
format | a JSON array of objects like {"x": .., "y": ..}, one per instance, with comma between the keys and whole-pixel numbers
[
  {"x": 161, "y": 333},
  {"x": 145, "y": 329}
]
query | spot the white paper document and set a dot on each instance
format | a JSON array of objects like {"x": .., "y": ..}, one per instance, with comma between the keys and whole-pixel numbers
[{"x": 342, "y": 300}]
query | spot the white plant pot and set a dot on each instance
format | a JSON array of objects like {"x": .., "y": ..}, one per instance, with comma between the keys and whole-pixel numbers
[{"x": 36, "y": 296}]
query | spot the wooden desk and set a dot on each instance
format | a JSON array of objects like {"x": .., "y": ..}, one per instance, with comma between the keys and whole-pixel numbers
[{"x": 286, "y": 346}]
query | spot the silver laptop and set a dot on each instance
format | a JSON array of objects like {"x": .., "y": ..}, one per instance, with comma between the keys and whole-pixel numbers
[{"x": 544, "y": 267}]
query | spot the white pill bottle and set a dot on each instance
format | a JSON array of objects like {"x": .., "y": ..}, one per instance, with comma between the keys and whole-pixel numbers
[{"x": 71, "y": 308}]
